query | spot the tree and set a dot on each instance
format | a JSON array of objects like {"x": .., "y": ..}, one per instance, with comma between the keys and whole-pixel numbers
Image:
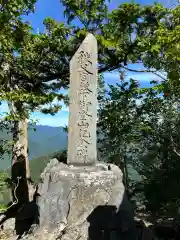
[
  {"x": 119, "y": 111},
  {"x": 28, "y": 62},
  {"x": 130, "y": 33},
  {"x": 12, "y": 33},
  {"x": 158, "y": 155},
  {"x": 141, "y": 127},
  {"x": 26, "y": 68},
  {"x": 36, "y": 66},
  {"x": 133, "y": 34}
]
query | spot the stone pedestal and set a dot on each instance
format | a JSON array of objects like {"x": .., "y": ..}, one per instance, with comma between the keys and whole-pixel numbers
[{"x": 84, "y": 203}]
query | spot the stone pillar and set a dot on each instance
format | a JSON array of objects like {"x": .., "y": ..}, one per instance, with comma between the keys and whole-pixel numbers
[{"x": 83, "y": 104}]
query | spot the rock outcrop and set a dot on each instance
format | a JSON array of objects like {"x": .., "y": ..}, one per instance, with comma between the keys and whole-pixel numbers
[{"x": 83, "y": 203}]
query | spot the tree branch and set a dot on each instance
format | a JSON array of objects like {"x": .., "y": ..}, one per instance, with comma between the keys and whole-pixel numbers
[
  {"x": 144, "y": 71},
  {"x": 174, "y": 147},
  {"x": 109, "y": 68},
  {"x": 174, "y": 150}
]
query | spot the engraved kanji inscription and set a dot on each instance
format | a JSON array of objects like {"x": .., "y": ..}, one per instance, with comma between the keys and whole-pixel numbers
[{"x": 83, "y": 104}]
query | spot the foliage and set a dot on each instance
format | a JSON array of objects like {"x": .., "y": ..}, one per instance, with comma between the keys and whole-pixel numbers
[
  {"x": 119, "y": 111},
  {"x": 3, "y": 188},
  {"x": 129, "y": 34},
  {"x": 29, "y": 61},
  {"x": 146, "y": 34},
  {"x": 90, "y": 13},
  {"x": 125, "y": 35},
  {"x": 146, "y": 136},
  {"x": 61, "y": 156},
  {"x": 3, "y": 176},
  {"x": 37, "y": 166},
  {"x": 4, "y": 143},
  {"x": 157, "y": 159},
  {"x": 35, "y": 66}
]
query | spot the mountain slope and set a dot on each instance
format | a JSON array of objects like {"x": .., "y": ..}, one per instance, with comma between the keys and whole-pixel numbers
[
  {"x": 48, "y": 139},
  {"x": 42, "y": 142}
]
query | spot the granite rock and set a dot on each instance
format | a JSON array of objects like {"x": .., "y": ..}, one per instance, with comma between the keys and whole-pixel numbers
[{"x": 82, "y": 202}]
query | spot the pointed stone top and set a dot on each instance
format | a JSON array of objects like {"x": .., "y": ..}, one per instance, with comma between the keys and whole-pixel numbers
[
  {"x": 90, "y": 36},
  {"x": 88, "y": 42}
]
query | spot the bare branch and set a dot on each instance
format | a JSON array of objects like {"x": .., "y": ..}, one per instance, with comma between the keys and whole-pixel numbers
[
  {"x": 174, "y": 150},
  {"x": 174, "y": 147},
  {"x": 144, "y": 71}
]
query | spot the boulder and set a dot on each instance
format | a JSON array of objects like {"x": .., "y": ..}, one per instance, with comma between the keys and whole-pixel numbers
[{"x": 83, "y": 203}]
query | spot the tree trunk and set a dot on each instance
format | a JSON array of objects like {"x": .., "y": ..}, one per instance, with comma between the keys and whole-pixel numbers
[
  {"x": 20, "y": 147},
  {"x": 20, "y": 170},
  {"x": 126, "y": 177}
]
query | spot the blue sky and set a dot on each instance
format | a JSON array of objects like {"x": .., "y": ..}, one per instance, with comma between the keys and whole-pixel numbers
[{"x": 53, "y": 8}]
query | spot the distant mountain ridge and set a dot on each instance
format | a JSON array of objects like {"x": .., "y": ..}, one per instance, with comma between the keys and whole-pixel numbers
[{"x": 42, "y": 142}]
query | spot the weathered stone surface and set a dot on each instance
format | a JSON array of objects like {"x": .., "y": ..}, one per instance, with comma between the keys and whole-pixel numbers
[
  {"x": 80, "y": 202},
  {"x": 83, "y": 104},
  {"x": 9, "y": 224},
  {"x": 52, "y": 163}
]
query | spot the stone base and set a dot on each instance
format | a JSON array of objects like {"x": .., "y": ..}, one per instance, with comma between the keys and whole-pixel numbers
[{"x": 84, "y": 203}]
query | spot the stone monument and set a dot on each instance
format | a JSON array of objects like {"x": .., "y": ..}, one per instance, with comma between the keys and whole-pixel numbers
[
  {"x": 80, "y": 200},
  {"x": 83, "y": 104},
  {"x": 83, "y": 199}
]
